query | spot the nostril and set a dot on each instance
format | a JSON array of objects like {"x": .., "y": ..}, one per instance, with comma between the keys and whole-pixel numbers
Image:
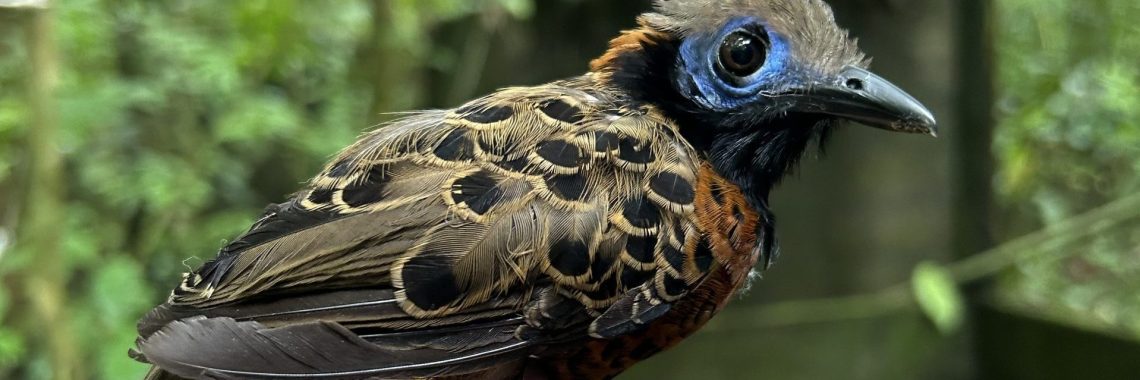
[{"x": 854, "y": 84}]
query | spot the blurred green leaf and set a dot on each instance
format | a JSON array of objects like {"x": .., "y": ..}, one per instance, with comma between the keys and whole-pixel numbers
[
  {"x": 937, "y": 295},
  {"x": 12, "y": 347},
  {"x": 522, "y": 9}
]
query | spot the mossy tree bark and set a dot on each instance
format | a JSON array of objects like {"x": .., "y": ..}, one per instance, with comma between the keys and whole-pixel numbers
[{"x": 43, "y": 211}]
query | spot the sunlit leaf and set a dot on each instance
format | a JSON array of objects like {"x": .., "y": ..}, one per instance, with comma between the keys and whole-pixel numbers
[
  {"x": 938, "y": 297},
  {"x": 522, "y": 9}
]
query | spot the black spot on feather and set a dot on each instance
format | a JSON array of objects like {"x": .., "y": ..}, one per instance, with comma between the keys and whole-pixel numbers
[
  {"x": 321, "y": 196},
  {"x": 486, "y": 115},
  {"x": 679, "y": 232},
  {"x": 368, "y": 190},
  {"x": 518, "y": 165},
  {"x": 571, "y": 257},
  {"x": 568, "y": 187},
  {"x": 672, "y": 187},
  {"x": 561, "y": 153},
  {"x": 703, "y": 256},
  {"x": 429, "y": 281},
  {"x": 641, "y": 248},
  {"x": 641, "y": 213},
  {"x": 717, "y": 193},
  {"x": 606, "y": 289},
  {"x": 479, "y": 191},
  {"x": 606, "y": 142},
  {"x": 673, "y": 286},
  {"x": 674, "y": 257},
  {"x": 633, "y": 151},
  {"x": 457, "y": 146},
  {"x": 631, "y": 277},
  {"x": 562, "y": 111},
  {"x": 603, "y": 262}
]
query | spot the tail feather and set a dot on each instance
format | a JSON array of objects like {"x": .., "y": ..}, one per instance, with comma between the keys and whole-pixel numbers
[{"x": 224, "y": 348}]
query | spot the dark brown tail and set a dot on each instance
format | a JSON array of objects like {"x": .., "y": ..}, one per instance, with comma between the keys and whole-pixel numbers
[{"x": 156, "y": 373}]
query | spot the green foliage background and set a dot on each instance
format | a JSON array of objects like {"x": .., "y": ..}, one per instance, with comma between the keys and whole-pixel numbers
[
  {"x": 180, "y": 119},
  {"x": 1068, "y": 141}
]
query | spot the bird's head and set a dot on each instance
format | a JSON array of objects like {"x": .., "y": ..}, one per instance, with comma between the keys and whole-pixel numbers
[{"x": 753, "y": 81}]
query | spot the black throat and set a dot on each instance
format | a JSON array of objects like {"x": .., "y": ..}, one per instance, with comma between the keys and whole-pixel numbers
[{"x": 753, "y": 152}]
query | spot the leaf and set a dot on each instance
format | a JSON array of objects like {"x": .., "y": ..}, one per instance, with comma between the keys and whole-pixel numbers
[
  {"x": 520, "y": 9},
  {"x": 938, "y": 297},
  {"x": 12, "y": 348}
]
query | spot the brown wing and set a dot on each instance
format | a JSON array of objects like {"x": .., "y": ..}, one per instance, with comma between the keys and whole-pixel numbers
[{"x": 448, "y": 242}]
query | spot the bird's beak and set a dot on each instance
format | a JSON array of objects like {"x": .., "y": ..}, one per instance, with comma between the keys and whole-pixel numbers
[{"x": 861, "y": 96}]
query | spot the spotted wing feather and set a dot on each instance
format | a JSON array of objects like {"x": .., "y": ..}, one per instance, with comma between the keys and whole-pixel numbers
[{"x": 534, "y": 214}]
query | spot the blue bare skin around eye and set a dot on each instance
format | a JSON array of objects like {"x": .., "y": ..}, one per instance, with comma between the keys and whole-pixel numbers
[{"x": 699, "y": 55}]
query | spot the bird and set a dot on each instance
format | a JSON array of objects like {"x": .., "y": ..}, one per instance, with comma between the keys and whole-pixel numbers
[{"x": 566, "y": 230}]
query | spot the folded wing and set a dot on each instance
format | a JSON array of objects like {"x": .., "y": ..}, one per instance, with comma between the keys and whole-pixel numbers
[{"x": 450, "y": 242}]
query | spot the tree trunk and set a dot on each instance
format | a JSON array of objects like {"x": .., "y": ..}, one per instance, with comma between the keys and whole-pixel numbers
[{"x": 43, "y": 213}]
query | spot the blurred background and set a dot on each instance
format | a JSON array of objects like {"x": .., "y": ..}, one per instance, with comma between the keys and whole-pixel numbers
[{"x": 136, "y": 137}]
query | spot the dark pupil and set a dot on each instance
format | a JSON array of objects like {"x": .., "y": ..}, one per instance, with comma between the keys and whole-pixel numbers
[{"x": 741, "y": 54}]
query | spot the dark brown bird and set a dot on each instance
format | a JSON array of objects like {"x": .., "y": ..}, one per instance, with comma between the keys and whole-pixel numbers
[{"x": 567, "y": 230}]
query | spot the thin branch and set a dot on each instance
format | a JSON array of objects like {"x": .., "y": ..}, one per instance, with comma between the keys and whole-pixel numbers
[
  {"x": 1031, "y": 246},
  {"x": 898, "y": 298},
  {"x": 824, "y": 310}
]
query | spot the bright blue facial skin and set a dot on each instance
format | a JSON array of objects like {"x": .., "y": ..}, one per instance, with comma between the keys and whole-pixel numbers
[{"x": 703, "y": 84}]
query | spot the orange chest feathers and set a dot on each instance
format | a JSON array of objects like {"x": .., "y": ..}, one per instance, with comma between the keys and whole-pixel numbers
[{"x": 728, "y": 224}]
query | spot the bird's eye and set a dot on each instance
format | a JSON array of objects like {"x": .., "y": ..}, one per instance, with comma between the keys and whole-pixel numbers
[{"x": 742, "y": 53}]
